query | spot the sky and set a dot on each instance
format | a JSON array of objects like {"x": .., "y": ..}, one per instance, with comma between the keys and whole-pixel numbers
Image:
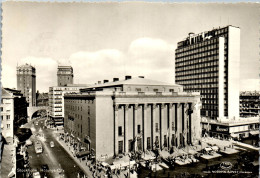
[{"x": 106, "y": 40}]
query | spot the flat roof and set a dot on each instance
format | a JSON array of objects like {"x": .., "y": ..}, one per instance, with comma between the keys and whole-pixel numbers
[{"x": 134, "y": 81}]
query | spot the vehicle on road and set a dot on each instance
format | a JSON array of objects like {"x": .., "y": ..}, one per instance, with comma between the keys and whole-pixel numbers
[
  {"x": 28, "y": 142},
  {"x": 36, "y": 175},
  {"x": 61, "y": 175},
  {"x": 51, "y": 144},
  {"x": 38, "y": 147},
  {"x": 36, "y": 123},
  {"x": 44, "y": 168}
]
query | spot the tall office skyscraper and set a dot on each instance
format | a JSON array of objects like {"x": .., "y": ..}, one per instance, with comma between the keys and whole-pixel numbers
[
  {"x": 26, "y": 82},
  {"x": 209, "y": 62},
  {"x": 65, "y": 75}
]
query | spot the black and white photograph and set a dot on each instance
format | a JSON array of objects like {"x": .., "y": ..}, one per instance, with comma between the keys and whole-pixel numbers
[{"x": 130, "y": 90}]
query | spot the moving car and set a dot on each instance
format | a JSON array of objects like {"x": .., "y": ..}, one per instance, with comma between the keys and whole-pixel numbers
[
  {"x": 28, "y": 142},
  {"x": 44, "y": 168},
  {"x": 38, "y": 147},
  {"x": 51, "y": 144},
  {"x": 36, "y": 175}
]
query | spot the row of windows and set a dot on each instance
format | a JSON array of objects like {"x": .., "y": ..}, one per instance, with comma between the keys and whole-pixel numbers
[
  {"x": 198, "y": 45},
  {"x": 198, "y": 76},
  {"x": 203, "y": 62},
  {"x": 139, "y": 131},
  {"x": 191, "y": 59},
  {"x": 79, "y": 101},
  {"x": 190, "y": 81},
  {"x": 209, "y": 113},
  {"x": 211, "y": 101},
  {"x": 212, "y": 96},
  {"x": 198, "y": 55},
  {"x": 200, "y": 71},
  {"x": 205, "y": 91},
  {"x": 74, "y": 108},
  {"x": 120, "y": 131},
  {"x": 200, "y": 66},
  {"x": 204, "y": 49},
  {"x": 7, "y": 117}
]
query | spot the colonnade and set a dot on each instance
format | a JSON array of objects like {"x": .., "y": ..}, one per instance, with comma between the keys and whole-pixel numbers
[{"x": 147, "y": 126}]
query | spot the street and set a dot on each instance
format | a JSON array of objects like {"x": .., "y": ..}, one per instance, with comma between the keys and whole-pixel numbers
[{"x": 59, "y": 162}]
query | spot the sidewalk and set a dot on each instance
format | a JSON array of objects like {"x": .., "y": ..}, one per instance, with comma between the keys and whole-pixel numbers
[
  {"x": 89, "y": 169},
  {"x": 245, "y": 145},
  {"x": 7, "y": 160},
  {"x": 81, "y": 164}
]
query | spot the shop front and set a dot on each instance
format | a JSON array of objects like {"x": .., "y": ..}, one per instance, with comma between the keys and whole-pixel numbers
[{"x": 219, "y": 131}]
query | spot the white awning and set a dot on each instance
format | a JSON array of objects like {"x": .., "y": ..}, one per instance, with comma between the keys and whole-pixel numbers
[
  {"x": 215, "y": 148},
  {"x": 208, "y": 149},
  {"x": 192, "y": 151},
  {"x": 104, "y": 164},
  {"x": 132, "y": 162}
]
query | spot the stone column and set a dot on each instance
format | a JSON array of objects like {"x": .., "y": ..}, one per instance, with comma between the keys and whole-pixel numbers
[
  {"x": 160, "y": 125},
  {"x": 145, "y": 110},
  {"x": 116, "y": 129},
  {"x": 170, "y": 125},
  {"x": 126, "y": 127},
  {"x": 185, "y": 132},
  {"x": 179, "y": 123},
  {"x": 135, "y": 126},
  {"x": 153, "y": 126}
]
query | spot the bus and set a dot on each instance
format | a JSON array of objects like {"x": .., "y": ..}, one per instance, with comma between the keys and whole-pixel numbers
[{"x": 38, "y": 147}]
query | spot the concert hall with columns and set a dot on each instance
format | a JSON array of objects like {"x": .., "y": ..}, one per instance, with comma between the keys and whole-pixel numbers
[{"x": 132, "y": 115}]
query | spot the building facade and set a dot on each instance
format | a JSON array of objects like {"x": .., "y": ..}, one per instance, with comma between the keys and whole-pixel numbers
[
  {"x": 42, "y": 99},
  {"x": 236, "y": 129},
  {"x": 208, "y": 62},
  {"x": 131, "y": 115},
  {"x": 13, "y": 112},
  {"x": 250, "y": 104},
  {"x": 26, "y": 82},
  {"x": 65, "y": 75},
  {"x": 56, "y": 101}
]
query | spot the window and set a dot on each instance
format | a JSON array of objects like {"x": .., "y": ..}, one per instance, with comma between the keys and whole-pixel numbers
[
  {"x": 155, "y": 90},
  {"x": 138, "y": 129},
  {"x": 156, "y": 127},
  {"x": 2, "y": 117},
  {"x": 8, "y": 126},
  {"x": 7, "y": 117},
  {"x": 120, "y": 131},
  {"x": 1, "y": 108},
  {"x": 138, "y": 89}
]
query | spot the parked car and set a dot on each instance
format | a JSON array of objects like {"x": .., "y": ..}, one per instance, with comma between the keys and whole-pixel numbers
[{"x": 51, "y": 144}]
